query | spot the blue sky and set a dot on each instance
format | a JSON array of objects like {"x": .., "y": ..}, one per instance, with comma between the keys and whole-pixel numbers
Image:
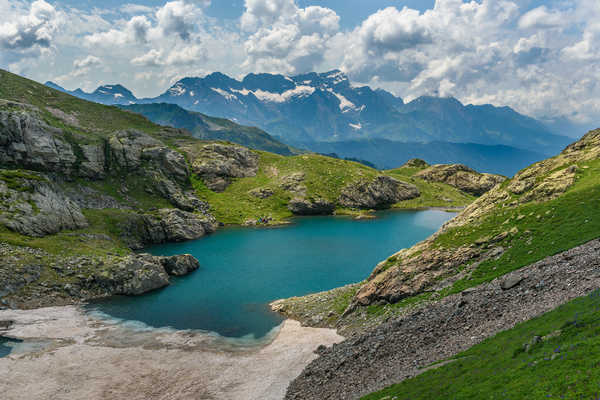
[{"x": 540, "y": 57}]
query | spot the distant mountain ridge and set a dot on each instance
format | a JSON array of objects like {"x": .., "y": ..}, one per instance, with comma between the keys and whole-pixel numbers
[
  {"x": 387, "y": 154},
  {"x": 327, "y": 107},
  {"x": 210, "y": 128}
]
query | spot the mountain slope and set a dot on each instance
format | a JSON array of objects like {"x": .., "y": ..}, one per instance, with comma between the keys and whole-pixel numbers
[
  {"x": 83, "y": 185},
  {"x": 327, "y": 107},
  {"x": 521, "y": 249},
  {"x": 209, "y": 128},
  {"x": 387, "y": 154}
]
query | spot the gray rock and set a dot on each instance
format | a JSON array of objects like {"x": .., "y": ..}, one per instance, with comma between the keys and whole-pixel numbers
[
  {"x": 135, "y": 275},
  {"x": 126, "y": 149},
  {"x": 180, "y": 265},
  {"x": 262, "y": 193},
  {"x": 510, "y": 282},
  {"x": 382, "y": 192},
  {"x": 301, "y": 206},
  {"x": 294, "y": 183},
  {"x": 216, "y": 164},
  {"x": 33, "y": 206},
  {"x": 165, "y": 225},
  {"x": 28, "y": 142},
  {"x": 461, "y": 177},
  {"x": 94, "y": 163},
  {"x": 170, "y": 162}
]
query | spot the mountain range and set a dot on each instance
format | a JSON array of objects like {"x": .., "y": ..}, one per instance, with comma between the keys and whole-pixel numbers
[{"x": 327, "y": 107}]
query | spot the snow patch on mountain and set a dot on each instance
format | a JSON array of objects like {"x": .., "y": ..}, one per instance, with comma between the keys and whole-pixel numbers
[
  {"x": 298, "y": 91},
  {"x": 345, "y": 104},
  {"x": 177, "y": 90},
  {"x": 337, "y": 77},
  {"x": 356, "y": 126},
  {"x": 224, "y": 93}
]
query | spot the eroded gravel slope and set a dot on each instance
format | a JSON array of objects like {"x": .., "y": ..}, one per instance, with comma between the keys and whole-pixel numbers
[{"x": 395, "y": 350}]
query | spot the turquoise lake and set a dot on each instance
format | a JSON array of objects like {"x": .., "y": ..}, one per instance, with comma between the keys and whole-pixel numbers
[{"x": 244, "y": 269}]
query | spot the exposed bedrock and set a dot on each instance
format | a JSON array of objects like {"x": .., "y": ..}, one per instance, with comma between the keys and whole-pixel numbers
[{"x": 382, "y": 192}]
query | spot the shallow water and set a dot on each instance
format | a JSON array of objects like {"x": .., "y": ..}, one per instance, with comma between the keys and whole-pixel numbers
[
  {"x": 244, "y": 269},
  {"x": 6, "y": 345}
]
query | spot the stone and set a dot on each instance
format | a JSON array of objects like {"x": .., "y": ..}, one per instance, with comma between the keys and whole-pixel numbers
[
  {"x": 510, "y": 282},
  {"x": 34, "y": 206},
  {"x": 382, "y": 192},
  {"x": 28, "y": 142},
  {"x": 140, "y": 274},
  {"x": 216, "y": 164},
  {"x": 301, "y": 206},
  {"x": 262, "y": 193},
  {"x": 461, "y": 177},
  {"x": 180, "y": 265}
]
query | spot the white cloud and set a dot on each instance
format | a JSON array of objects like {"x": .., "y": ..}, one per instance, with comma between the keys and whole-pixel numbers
[
  {"x": 130, "y": 8},
  {"x": 543, "y": 61},
  {"x": 87, "y": 62},
  {"x": 393, "y": 30},
  {"x": 36, "y": 28},
  {"x": 177, "y": 17},
  {"x": 542, "y": 17},
  {"x": 287, "y": 38}
]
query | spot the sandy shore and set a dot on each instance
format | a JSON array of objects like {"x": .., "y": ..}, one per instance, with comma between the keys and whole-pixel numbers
[{"x": 70, "y": 355}]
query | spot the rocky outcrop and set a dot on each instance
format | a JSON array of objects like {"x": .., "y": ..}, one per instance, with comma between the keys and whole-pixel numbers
[
  {"x": 302, "y": 206},
  {"x": 294, "y": 183},
  {"x": 262, "y": 193},
  {"x": 216, "y": 164},
  {"x": 26, "y": 141},
  {"x": 461, "y": 177},
  {"x": 180, "y": 265},
  {"x": 382, "y": 192},
  {"x": 31, "y": 205},
  {"x": 135, "y": 275},
  {"x": 165, "y": 225},
  {"x": 415, "y": 163},
  {"x": 24, "y": 276}
]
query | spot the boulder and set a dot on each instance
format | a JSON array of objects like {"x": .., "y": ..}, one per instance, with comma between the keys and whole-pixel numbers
[
  {"x": 180, "y": 265},
  {"x": 461, "y": 177},
  {"x": 134, "y": 275},
  {"x": 382, "y": 192},
  {"x": 301, "y": 206},
  {"x": 165, "y": 225},
  {"x": 216, "y": 164}
]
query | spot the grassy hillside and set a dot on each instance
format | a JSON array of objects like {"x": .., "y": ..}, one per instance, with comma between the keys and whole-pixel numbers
[
  {"x": 85, "y": 119},
  {"x": 84, "y": 122},
  {"x": 323, "y": 177},
  {"x": 210, "y": 128},
  {"x": 547, "y": 208},
  {"x": 563, "y": 366}
]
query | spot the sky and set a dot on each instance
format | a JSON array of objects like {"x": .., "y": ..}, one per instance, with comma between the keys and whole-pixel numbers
[{"x": 540, "y": 57}]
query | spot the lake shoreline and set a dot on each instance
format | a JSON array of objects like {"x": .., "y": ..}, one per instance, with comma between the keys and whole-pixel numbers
[{"x": 84, "y": 357}]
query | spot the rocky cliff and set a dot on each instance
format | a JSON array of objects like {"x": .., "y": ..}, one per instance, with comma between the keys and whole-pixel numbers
[{"x": 76, "y": 197}]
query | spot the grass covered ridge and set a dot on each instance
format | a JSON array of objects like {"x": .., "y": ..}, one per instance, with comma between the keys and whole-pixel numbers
[{"x": 322, "y": 177}]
